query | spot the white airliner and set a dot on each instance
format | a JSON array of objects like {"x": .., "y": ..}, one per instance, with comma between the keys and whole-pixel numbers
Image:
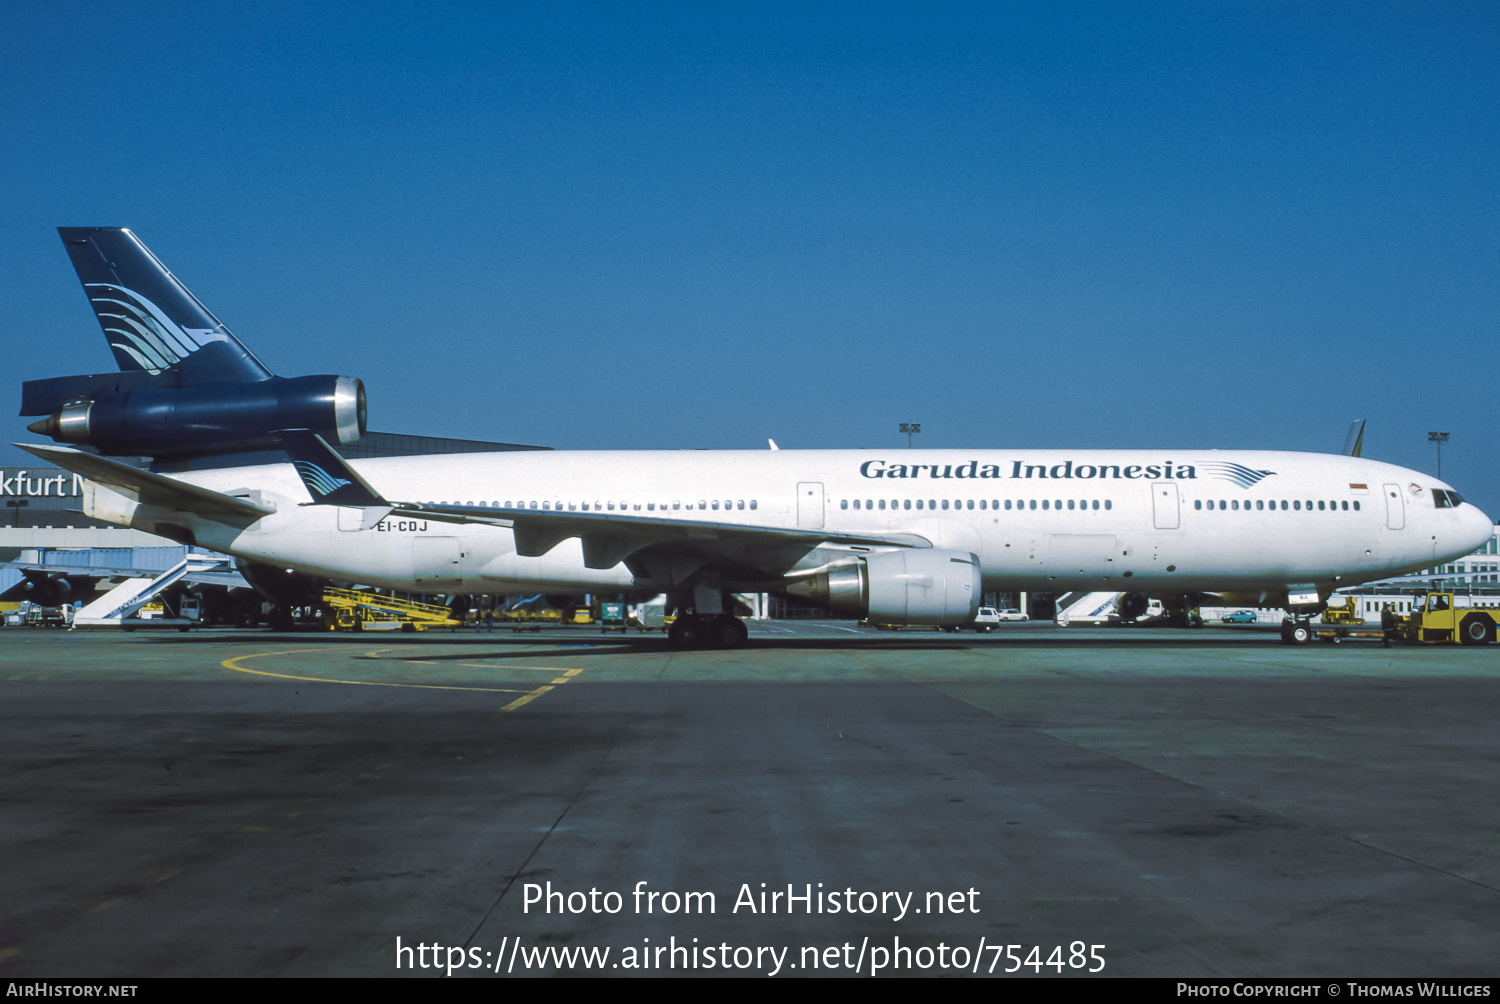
[
  {"x": 909, "y": 536},
  {"x": 902, "y": 536}
]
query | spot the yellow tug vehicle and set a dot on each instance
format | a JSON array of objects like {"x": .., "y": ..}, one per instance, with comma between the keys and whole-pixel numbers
[{"x": 1439, "y": 619}]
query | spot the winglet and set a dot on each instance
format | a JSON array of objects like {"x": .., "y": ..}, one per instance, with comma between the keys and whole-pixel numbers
[
  {"x": 327, "y": 476},
  {"x": 1356, "y": 439}
]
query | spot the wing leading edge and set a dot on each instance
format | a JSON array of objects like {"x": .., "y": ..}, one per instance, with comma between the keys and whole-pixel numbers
[{"x": 608, "y": 538}]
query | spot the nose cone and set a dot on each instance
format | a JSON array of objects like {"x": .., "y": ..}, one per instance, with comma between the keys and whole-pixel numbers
[{"x": 1477, "y": 527}]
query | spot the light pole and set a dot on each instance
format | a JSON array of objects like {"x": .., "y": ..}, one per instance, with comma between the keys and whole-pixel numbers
[
  {"x": 1439, "y": 438},
  {"x": 911, "y": 427}
]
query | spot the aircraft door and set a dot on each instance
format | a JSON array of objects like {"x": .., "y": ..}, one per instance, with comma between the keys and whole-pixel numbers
[
  {"x": 810, "y": 505},
  {"x": 1395, "y": 508},
  {"x": 1164, "y": 505},
  {"x": 435, "y": 560}
]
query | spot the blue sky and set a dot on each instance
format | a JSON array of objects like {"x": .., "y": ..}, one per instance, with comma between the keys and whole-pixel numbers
[{"x": 700, "y": 225}]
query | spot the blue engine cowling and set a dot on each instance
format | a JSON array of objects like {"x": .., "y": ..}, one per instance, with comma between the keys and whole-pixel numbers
[{"x": 120, "y": 416}]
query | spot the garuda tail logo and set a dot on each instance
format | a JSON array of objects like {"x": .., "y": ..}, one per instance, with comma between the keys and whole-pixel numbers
[
  {"x": 1245, "y": 477},
  {"x": 141, "y": 330},
  {"x": 318, "y": 481}
]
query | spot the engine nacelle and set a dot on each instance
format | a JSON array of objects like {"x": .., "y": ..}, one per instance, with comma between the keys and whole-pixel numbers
[
  {"x": 926, "y": 586},
  {"x": 131, "y": 417}
]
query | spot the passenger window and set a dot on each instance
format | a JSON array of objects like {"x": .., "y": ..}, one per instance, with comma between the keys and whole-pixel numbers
[
  {"x": 1033, "y": 504},
  {"x": 1108, "y": 504},
  {"x": 1296, "y": 504},
  {"x": 752, "y": 503},
  {"x": 843, "y": 503},
  {"x": 1096, "y": 503},
  {"x": 1356, "y": 507},
  {"x": 945, "y": 503},
  {"x": 906, "y": 504}
]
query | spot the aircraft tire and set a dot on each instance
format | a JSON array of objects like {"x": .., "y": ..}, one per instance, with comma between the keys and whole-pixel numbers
[
  {"x": 1476, "y": 629},
  {"x": 1301, "y": 634},
  {"x": 687, "y": 632}
]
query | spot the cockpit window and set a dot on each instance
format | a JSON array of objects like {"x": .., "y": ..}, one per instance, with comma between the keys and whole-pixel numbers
[{"x": 1440, "y": 499}]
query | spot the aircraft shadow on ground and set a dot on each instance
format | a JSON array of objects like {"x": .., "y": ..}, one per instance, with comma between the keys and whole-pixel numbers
[{"x": 533, "y": 647}]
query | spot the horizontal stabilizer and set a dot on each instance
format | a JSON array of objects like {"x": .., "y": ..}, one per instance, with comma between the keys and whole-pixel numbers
[
  {"x": 148, "y": 488},
  {"x": 327, "y": 476}
]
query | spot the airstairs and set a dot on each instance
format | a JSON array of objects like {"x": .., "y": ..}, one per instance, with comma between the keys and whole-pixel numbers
[
  {"x": 121, "y": 606},
  {"x": 1087, "y": 608}
]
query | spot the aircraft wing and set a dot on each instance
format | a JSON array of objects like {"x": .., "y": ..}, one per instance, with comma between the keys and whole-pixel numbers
[
  {"x": 146, "y": 487},
  {"x": 608, "y": 538}
]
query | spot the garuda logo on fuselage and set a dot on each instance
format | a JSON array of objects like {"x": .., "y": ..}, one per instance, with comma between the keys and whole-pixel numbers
[{"x": 1245, "y": 477}]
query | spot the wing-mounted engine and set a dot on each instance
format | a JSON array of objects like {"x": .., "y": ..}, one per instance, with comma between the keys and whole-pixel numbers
[{"x": 909, "y": 586}]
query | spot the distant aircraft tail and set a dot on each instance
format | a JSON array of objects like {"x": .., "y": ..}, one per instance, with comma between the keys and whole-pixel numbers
[{"x": 150, "y": 319}]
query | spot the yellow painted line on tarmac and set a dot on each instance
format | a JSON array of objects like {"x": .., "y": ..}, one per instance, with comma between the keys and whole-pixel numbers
[
  {"x": 233, "y": 664},
  {"x": 522, "y": 701}
]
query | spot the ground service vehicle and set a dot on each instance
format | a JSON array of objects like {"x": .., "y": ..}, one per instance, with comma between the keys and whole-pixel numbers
[
  {"x": 1346, "y": 613},
  {"x": 1439, "y": 619}
]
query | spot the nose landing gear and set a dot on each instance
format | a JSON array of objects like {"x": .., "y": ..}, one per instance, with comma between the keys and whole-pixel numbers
[{"x": 1296, "y": 631}]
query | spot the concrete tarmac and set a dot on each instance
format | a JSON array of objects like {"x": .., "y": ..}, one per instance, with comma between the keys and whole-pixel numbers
[{"x": 1145, "y": 802}]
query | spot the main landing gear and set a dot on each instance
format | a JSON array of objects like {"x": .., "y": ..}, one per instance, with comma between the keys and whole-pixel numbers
[{"x": 708, "y": 631}]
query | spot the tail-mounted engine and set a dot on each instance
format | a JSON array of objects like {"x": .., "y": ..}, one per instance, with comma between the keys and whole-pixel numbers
[{"x": 138, "y": 415}]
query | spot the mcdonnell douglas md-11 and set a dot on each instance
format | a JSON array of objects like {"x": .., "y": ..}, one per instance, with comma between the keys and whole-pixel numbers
[{"x": 913, "y": 537}]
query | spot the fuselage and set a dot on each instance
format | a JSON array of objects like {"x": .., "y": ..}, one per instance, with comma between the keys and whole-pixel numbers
[{"x": 1155, "y": 522}]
